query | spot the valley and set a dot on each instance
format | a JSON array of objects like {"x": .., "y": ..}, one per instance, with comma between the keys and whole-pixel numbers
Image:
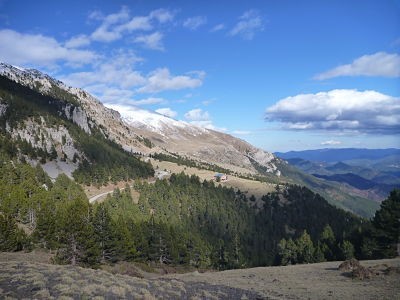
[{"x": 199, "y": 150}]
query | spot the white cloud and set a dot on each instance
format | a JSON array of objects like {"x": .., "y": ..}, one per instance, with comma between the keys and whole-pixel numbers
[
  {"x": 217, "y": 27},
  {"x": 201, "y": 118},
  {"x": 162, "y": 15},
  {"x": 168, "y": 112},
  {"x": 207, "y": 102},
  {"x": 161, "y": 80},
  {"x": 148, "y": 101},
  {"x": 378, "y": 64},
  {"x": 151, "y": 41},
  {"x": 249, "y": 23},
  {"x": 197, "y": 115},
  {"x": 241, "y": 132},
  {"x": 114, "y": 26},
  {"x": 195, "y": 22},
  {"x": 103, "y": 32},
  {"x": 339, "y": 110},
  {"x": 117, "y": 71},
  {"x": 78, "y": 41},
  {"x": 136, "y": 23},
  {"x": 331, "y": 143},
  {"x": 20, "y": 48}
]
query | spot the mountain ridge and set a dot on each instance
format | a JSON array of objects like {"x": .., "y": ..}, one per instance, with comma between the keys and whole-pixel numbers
[
  {"x": 143, "y": 131},
  {"x": 138, "y": 132}
]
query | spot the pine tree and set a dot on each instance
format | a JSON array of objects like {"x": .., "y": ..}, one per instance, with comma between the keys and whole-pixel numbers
[
  {"x": 305, "y": 248},
  {"x": 328, "y": 242},
  {"x": 319, "y": 254},
  {"x": 76, "y": 234},
  {"x": 105, "y": 234},
  {"x": 347, "y": 250},
  {"x": 387, "y": 225},
  {"x": 12, "y": 238}
]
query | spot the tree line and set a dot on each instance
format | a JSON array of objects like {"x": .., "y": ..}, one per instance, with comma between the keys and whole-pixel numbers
[{"x": 184, "y": 221}]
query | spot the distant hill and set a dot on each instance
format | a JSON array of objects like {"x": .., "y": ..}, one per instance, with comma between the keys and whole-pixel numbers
[
  {"x": 336, "y": 155},
  {"x": 372, "y": 173}
]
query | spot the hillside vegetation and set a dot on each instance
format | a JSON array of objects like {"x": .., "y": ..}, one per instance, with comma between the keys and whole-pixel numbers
[{"x": 183, "y": 221}]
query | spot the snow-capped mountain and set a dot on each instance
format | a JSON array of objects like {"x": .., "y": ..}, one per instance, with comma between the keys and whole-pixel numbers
[{"x": 132, "y": 127}]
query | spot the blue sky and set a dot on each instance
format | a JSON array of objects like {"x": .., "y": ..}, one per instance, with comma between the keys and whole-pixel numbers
[{"x": 283, "y": 75}]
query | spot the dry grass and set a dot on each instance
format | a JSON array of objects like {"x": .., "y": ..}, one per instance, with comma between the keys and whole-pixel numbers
[
  {"x": 312, "y": 281},
  {"x": 251, "y": 187},
  {"x": 21, "y": 279}
]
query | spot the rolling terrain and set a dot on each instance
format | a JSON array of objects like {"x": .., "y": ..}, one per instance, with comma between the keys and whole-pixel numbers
[{"x": 369, "y": 173}]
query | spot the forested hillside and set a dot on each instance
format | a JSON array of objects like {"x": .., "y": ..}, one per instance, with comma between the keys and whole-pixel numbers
[{"x": 182, "y": 221}]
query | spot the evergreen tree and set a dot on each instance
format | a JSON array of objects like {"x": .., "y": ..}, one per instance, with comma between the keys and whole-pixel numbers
[
  {"x": 387, "y": 225},
  {"x": 347, "y": 250},
  {"x": 76, "y": 234},
  {"x": 288, "y": 252},
  {"x": 105, "y": 234},
  {"x": 319, "y": 254},
  {"x": 305, "y": 248},
  {"x": 12, "y": 238},
  {"x": 328, "y": 242}
]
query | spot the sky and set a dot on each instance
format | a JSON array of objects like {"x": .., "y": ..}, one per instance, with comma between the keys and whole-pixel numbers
[{"x": 282, "y": 75}]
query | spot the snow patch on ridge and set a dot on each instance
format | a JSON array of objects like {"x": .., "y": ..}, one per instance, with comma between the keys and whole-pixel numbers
[{"x": 156, "y": 122}]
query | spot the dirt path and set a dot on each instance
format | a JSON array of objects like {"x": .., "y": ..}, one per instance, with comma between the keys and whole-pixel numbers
[{"x": 313, "y": 281}]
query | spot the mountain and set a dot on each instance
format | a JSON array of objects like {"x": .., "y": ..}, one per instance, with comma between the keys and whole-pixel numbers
[
  {"x": 67, "y": 130},
  {"x": 370, "y": 173},
  {"x": 343, "y": 154},
  {"x": 199, "y": 143},
  {"x": 142, "y": 131}
]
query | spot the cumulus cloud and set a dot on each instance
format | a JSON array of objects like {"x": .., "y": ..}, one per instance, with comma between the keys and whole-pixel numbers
[
  {"x": 201, "y": 118},
  {"x": 162, "y": 80},
  {"x": 162, "y": 15},
  {"x": 166, "y": 111},
  {"x": 249, "y": 23},
  {"x": 339, "y": 110},
  {"x": 114, "y": 26},
  {"x": 118, "y": 71},
  {"x": 103, "y": 33},
  {"x": 217, "y": 27},
  {"x": 331, "y": 143},
  {"x": 195, "y": 22},
  {"x": 78, "y": 41},
  {"x": 197, "y": 115},
  {"x": 379, "y": 64},
  {"x": 151, "y": 41},
  {"x": 20, "y": 48}
]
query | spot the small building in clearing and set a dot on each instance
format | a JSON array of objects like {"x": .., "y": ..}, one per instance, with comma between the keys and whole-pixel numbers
[{"x": 220, "y": 177}]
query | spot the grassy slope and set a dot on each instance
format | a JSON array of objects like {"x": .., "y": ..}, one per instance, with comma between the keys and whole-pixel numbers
[
  {"x": 22, "y": 279},
  {"x": 310, "y": 281}
]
